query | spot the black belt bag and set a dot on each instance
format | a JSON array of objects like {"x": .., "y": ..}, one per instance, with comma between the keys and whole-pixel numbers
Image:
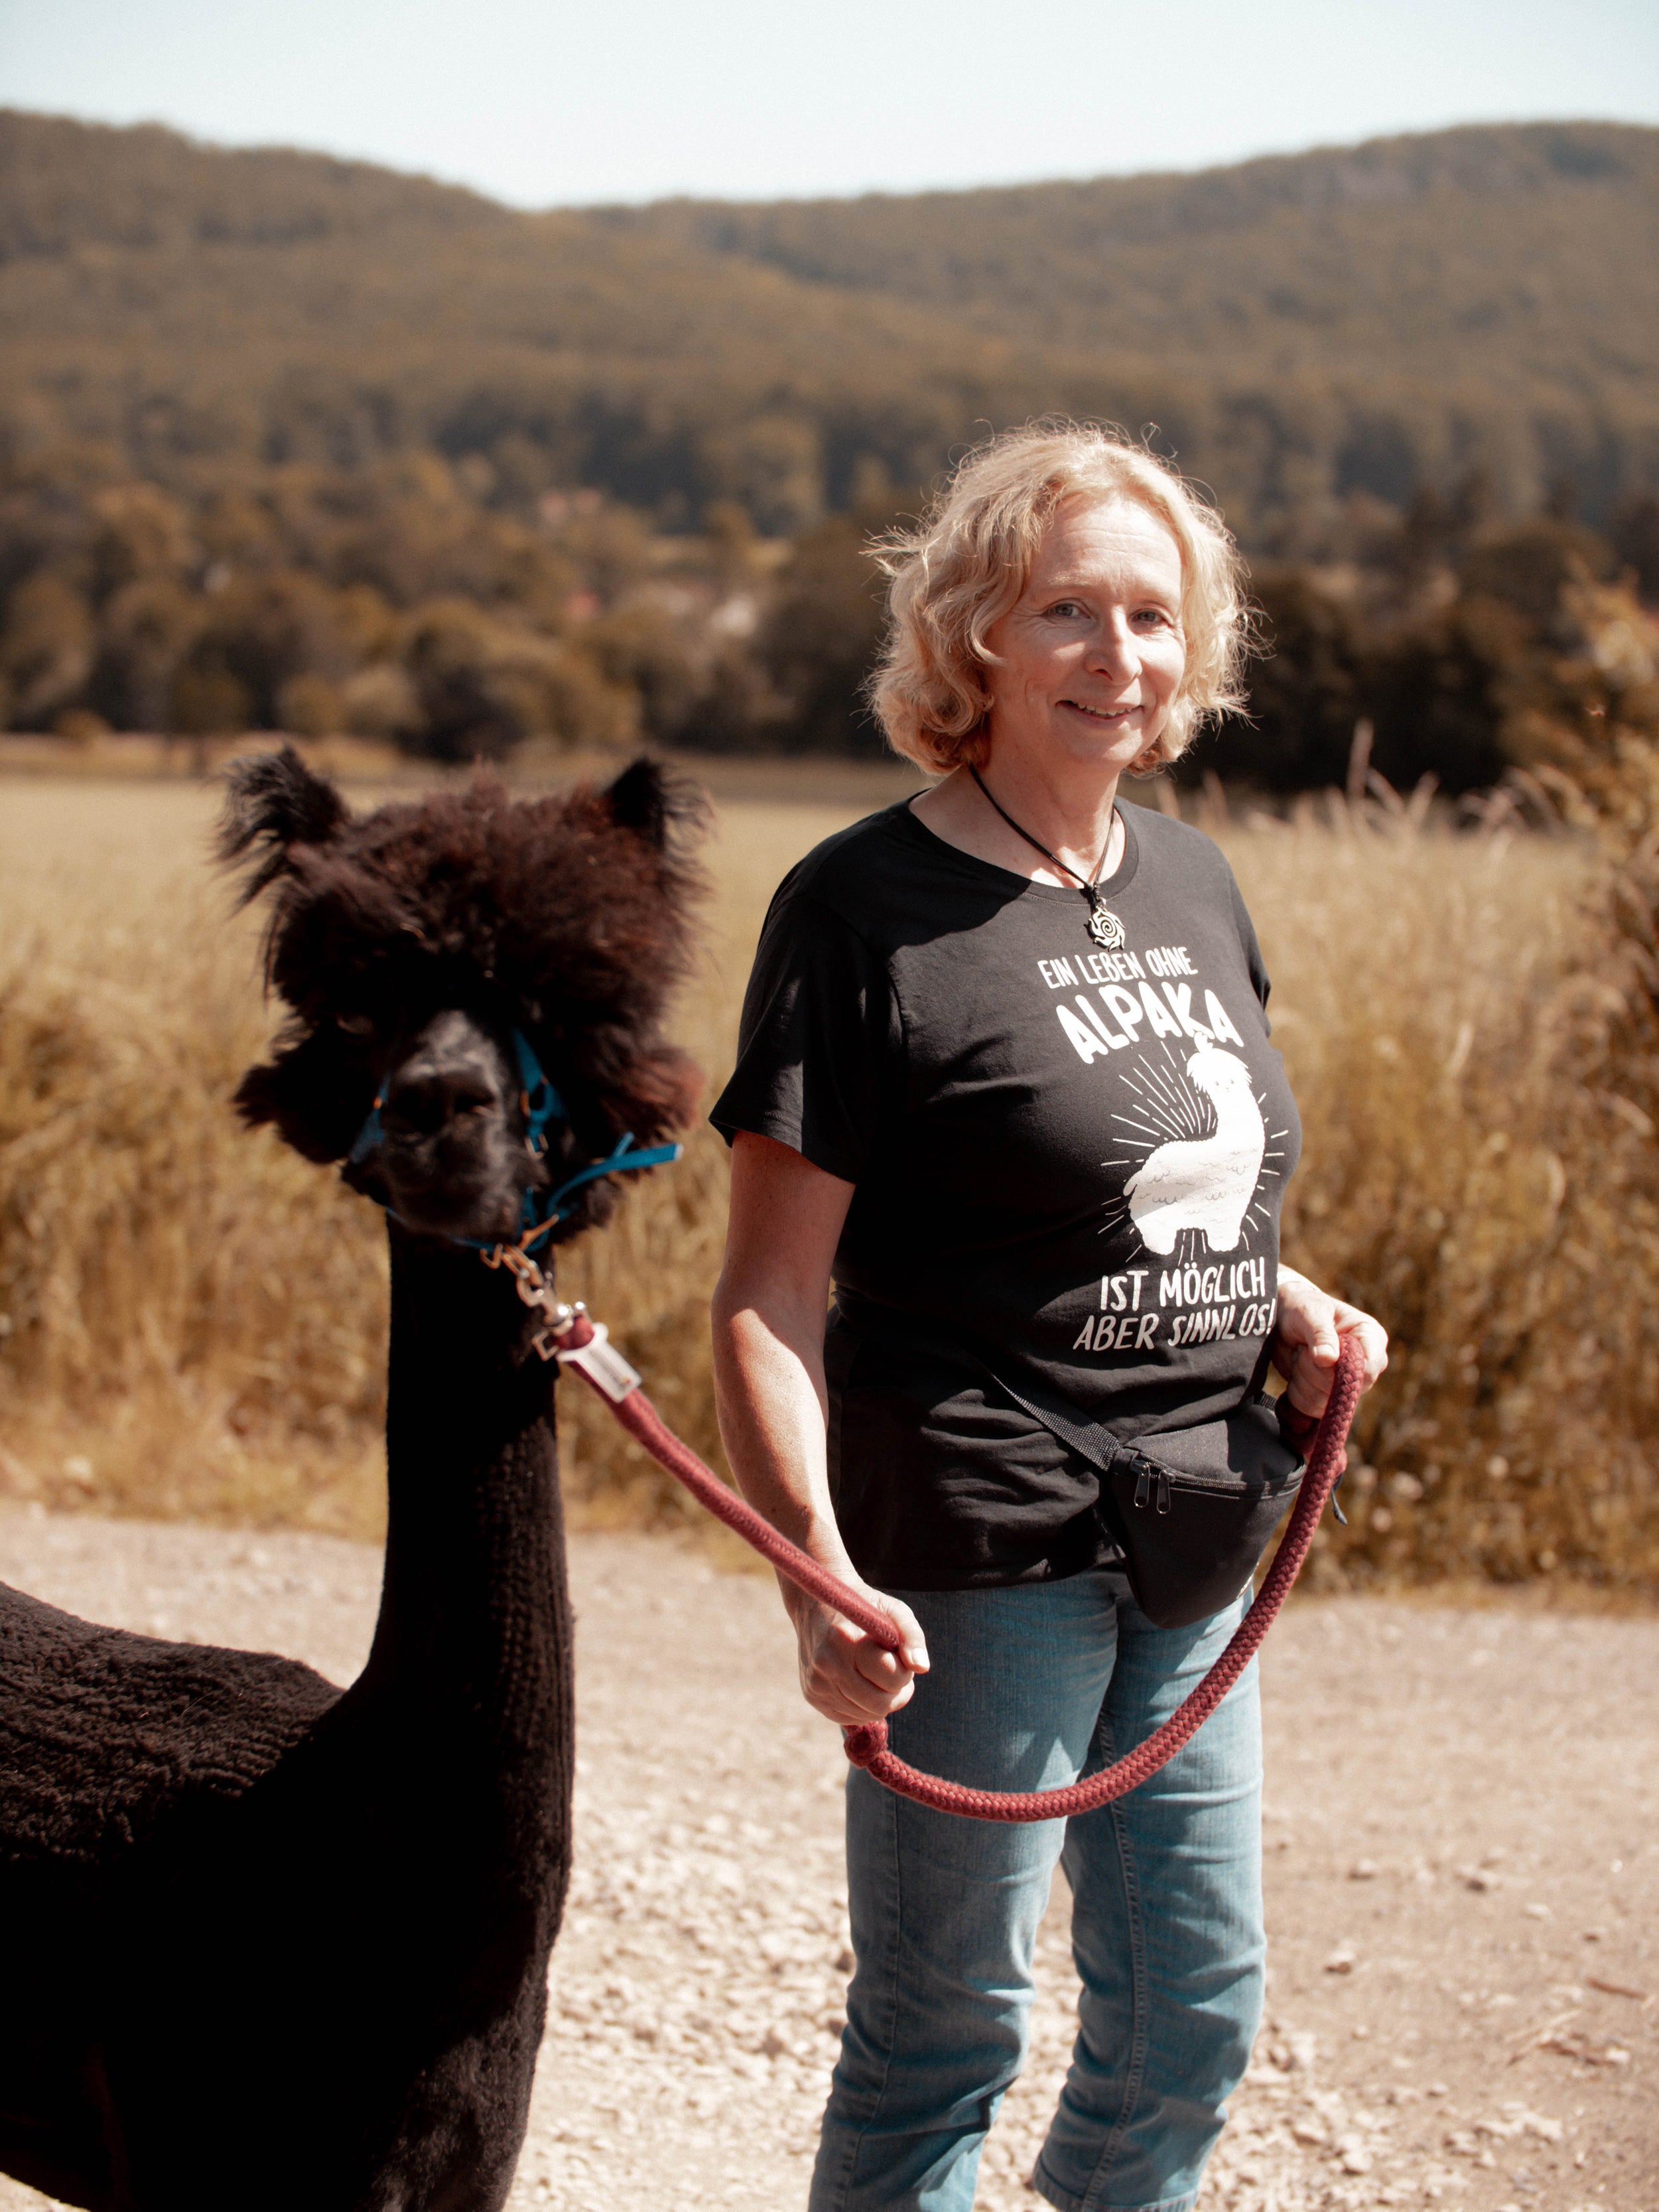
[
  {"x": 1193, "y": 1514},
  {"x": 1192, "y": 1510}
]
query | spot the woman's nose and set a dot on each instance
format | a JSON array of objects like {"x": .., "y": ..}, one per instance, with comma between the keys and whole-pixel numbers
[{"x": 1112, "y": 650}]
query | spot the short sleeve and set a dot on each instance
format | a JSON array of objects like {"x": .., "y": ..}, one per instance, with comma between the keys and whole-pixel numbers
[
  {"x": 820, "y": 1045},
  {"x": 1247, "y": 938}
]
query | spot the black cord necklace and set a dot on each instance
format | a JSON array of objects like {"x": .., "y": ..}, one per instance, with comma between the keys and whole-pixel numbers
[{"x": 1104, "y": 926}]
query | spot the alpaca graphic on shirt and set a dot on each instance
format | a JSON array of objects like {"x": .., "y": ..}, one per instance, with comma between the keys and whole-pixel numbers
[{"x": 1207, "y": 1183}]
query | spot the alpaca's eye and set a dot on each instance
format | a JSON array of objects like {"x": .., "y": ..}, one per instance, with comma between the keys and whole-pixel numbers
[{"x": 357, "y": 1026}]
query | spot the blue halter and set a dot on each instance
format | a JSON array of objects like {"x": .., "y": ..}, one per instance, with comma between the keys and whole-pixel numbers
[{"x": 542, "y": 1104}]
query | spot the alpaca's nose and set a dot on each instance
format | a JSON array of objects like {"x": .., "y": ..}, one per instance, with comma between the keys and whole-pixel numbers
[
  {"x": 426, "y": 1102},
  {"x": 452, "y": 1159}
]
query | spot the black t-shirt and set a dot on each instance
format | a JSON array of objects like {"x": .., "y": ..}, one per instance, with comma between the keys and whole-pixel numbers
[{"x": 1069, "y": 1162}]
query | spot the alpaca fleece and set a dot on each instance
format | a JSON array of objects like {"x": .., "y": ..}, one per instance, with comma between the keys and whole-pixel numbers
[{"x": 268, "y": 1943}]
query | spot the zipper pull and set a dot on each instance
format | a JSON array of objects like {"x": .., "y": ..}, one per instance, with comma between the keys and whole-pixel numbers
[
  {"x": 1162, "y": 1491},
  {"x": 1142, "y": 1483}
]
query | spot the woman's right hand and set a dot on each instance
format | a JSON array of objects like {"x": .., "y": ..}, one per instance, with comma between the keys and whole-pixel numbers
[{"x": 845, "y": 1674}]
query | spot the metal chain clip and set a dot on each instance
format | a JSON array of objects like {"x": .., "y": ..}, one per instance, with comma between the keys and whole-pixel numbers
[{"x": 568, "y": 1336}]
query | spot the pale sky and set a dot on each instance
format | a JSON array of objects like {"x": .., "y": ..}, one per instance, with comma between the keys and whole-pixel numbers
[{"x": 546, "y": 101}]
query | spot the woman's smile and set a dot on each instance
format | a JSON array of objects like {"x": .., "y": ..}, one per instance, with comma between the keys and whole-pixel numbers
[{"x": 1099, "y": 713}]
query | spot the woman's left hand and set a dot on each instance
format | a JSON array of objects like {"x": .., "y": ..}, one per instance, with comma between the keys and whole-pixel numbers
[{"x": 1307, "y": 1341}]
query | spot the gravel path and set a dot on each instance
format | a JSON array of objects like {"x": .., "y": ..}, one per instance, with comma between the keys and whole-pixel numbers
[{"x": 1463, "y": 1868}]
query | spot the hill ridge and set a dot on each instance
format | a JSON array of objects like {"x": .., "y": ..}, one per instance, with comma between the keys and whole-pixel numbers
[{"x": 1306, "y": 328}]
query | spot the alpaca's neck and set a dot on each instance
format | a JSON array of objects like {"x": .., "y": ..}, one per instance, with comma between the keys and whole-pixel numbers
[
  {"x": 1235, "y": 1117},
  {"x": 474, "y": 1626}
]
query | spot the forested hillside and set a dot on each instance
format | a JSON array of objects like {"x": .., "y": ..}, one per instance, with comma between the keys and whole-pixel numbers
[
  {"x": 1301, "y": 330},
  {"x": 287, "y": 442},
  {"x": 1503, "y": 253}
]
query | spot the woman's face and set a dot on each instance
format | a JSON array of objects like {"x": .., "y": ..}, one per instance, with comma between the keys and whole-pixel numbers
[{"x": 1090, "y": 656}]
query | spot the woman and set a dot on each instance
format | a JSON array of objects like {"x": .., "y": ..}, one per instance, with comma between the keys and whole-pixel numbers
[{"x": 1004, "y": 1077}]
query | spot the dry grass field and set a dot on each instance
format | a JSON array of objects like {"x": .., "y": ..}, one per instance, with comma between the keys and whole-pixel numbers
[{"x": 191, "y": 1319}]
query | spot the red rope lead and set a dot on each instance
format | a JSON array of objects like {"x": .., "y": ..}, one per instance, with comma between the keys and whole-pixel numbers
[
  {"x": 641, "y": 1420},
  {"x": 867, "y": 1746}
]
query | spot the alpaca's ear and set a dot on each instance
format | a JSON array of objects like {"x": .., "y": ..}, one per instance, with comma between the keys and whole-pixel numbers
[
  {"x": 273, "y": 801},
  {"x": 653, "y": 802},
  {"x": 315, "y": 1092},
  {"x": 639, "y": 801}
]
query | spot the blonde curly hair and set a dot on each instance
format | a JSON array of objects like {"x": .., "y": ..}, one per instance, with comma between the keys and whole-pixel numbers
[{"x": 967, "y": 562}]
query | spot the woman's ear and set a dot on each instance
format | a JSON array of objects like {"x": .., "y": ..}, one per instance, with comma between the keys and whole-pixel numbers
[{"x": 273, "y": 802}]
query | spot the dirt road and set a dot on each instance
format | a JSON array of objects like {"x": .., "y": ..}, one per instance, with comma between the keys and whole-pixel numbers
[{"x": 1463, "y": 1872}]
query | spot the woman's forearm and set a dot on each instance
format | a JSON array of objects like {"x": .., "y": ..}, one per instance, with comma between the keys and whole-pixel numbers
[
  {"x": 769, "y": 1391},
  {"x": 770, "y": 1396},
  {"x": 767, "y": 1323}
]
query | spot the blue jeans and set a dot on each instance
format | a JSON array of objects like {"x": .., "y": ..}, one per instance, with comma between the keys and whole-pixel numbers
[{"x": 1029, "y": 1687}]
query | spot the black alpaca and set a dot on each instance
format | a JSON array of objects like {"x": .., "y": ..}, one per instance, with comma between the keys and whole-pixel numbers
[{"x": 267, "y": 1944}]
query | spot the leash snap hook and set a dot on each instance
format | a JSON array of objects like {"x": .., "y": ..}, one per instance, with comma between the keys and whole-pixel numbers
[
  {"x": 592, "y": 1351},
  {"x": 547, "y": 1343}
]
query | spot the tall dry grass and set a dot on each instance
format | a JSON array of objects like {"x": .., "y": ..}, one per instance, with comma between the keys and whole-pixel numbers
[
  {"x": 1456, "y": 1024},
  {"x": 194, "y": 1319},
  {"x": 190, "y": 1316}
]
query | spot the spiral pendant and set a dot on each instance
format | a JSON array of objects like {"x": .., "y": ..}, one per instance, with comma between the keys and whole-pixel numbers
[{"x": 1104, "y": 926}]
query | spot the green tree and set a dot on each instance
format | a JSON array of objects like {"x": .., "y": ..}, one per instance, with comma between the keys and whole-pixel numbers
[
  {"x": 1441, "y": 693},
  {"x": 1527, "y": 565},
  {"x": 644, "y": 649},
  {"x": 261, "y": 632},
  {"x": 147, "y": 628},
  {"x": 46, "y": 649},
  {"x": 1306, "y": 691},
  {"x": 483, "y": 686},
  {"x": 466, "y": 712},
  {"x": 818, "y": 639},
  {"x": 140, "y": 533}
]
